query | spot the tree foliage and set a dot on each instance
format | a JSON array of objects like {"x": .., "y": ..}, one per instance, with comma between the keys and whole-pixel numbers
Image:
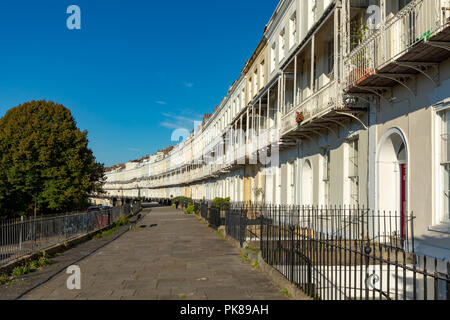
[{"x": 45, "y": 161}]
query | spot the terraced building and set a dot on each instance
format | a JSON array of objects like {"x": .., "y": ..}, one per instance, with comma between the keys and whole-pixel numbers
[{"x": 342, "y": 103}]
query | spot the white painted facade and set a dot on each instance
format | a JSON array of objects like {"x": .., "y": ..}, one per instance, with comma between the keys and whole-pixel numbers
[{"x": 369, "y": 137}]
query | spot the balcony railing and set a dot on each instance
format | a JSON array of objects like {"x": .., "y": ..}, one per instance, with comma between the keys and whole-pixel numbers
[
  {"x": 417, "y": 21},
  {"x": 312, "y": 106}
]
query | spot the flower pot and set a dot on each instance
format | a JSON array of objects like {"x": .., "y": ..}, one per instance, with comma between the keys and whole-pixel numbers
[
  {"x": 357, "y": 75},
  {"x": 299, "y": 118}
]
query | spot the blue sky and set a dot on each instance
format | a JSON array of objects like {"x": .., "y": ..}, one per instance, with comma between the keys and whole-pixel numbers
[{"x": 135, "y": 71}]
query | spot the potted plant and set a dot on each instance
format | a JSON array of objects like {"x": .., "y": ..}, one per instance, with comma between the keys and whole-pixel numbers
[
  {"x": 361, "y": 61},
  {"x": 299, "y": 117},
  {"x": 259, "y": 192}
]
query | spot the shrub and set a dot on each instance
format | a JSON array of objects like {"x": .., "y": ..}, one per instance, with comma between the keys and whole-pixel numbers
[
  {"x": 189, "y": 209},
  {"x": 3, "y": 279},
  {"x": 182, "y": 199},
  {"x": 221, "y": 203},
  {"x": 34, "y": 265},
  {"x": 43, "y": 261},
  {"x": 19, "y": 271}
]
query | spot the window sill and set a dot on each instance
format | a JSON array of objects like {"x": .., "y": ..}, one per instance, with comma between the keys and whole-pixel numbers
[{"x": 442, "y": 228}]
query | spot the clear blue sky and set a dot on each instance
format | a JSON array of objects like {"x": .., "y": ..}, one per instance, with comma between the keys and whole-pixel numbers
[{"x": 134, "y": 71}]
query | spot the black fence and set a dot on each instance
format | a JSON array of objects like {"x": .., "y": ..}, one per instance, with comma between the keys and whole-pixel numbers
[
  {"x": 25, "y": 236},
  {"x": 243, "y": 222},
  {"x": 337, "y": 253},
  {"x": 213, "y": 215},
  {"x": 342, "y": 253}
]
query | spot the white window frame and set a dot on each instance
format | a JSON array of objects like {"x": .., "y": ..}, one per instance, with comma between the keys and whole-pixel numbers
[
  {"x": 282, "y": 44},
  {"x": 439, "y": 216},
  {"x": 262, "y": 74},
  {"x": 273, "y": 57},
  {"x": 292, "y": 29},
  {"x": 354, "y": 176},
  {"x": 256, "y": 84},
  {"x": 326, "y": 176},
  {"x": 250, "y": 88},
  {"x": 291, "y": 184}
]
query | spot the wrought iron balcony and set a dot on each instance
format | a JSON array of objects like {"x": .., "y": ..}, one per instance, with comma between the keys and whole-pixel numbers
[{"x": 409, "y": 42}]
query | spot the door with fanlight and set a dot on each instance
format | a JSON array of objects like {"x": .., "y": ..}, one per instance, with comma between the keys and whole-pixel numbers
[
  {"x": 403, "y": 206},
  {"x": 392, "y": 189}
]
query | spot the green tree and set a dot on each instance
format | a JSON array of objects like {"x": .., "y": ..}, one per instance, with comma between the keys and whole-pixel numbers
[{"x": 45, "y": 162}]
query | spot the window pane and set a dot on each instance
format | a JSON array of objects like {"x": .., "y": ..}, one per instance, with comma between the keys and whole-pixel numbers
[
  {"x": 445, "y": 165},
  {"x": 446, "y": 188}
]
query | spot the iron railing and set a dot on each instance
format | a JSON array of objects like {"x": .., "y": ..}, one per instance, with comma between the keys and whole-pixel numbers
[
  {"x": 318, "y": 102},
  {"x": 25, "y": 236},
  {"x": 416, "y": 22},
  {"x": 213, "y": 215},
  {"x": 243, "y": 222},
  {"x": 342, "y": 253}
]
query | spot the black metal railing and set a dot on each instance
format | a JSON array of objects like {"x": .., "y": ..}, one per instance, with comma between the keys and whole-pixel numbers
[
  {"x": 212, "y": 214},
  {"x": 342, "y": 253},
  {"x": 243, "y": 222},
  {"x": 25, "y": 236}
]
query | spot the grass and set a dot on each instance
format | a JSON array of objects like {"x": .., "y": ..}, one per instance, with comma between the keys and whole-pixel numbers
[
  {"x": 244, "y": 256},
  {"x": 220, "y": 234},
  {"x": 286, "y": 293},
  {"x": 3, "y": 279},
  {"x": 255, "y": 264},
  {"x": 252, "y": 250},
  {"x": 190, "y": 209},
  {"x": 203, "y": 221},
  {"x": 26, "y": 268}
]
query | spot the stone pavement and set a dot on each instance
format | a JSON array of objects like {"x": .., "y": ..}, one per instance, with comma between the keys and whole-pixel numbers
[{"x": 172, "y": 256}]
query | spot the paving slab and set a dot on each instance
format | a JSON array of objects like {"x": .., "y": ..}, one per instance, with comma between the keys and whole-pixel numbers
[{"x": 179, "y": 258}]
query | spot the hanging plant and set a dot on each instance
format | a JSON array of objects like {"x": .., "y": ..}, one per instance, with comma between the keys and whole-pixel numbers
[{"x": 300, "y": 117}]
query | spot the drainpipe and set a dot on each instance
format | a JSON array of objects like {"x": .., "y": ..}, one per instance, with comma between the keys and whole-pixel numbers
[{"x": 372, "y": 150}]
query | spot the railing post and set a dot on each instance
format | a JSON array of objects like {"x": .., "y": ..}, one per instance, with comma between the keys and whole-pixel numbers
[
  {"x": 412, "y": 232},
  {"x": 20, "y": 233},
  {"x": 291, "y": 229},
  {"x": 242, "y": 227},
  {"x": 261, "y": 228}
]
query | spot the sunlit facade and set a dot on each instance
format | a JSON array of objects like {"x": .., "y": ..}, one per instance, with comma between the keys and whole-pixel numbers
[{"x": 343, "y": 103}]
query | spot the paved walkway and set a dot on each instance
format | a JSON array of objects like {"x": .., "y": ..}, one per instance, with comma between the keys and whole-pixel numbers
[{"x": 173, "y": 256}]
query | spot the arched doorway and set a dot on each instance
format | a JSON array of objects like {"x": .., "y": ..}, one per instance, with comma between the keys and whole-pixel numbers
[
  {"x": 392, "y": 179},
  {"x": 307, "y": 184}
]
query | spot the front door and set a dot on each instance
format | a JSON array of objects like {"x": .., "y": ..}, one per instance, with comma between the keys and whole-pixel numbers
[{"x": 403, "y": 206}]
